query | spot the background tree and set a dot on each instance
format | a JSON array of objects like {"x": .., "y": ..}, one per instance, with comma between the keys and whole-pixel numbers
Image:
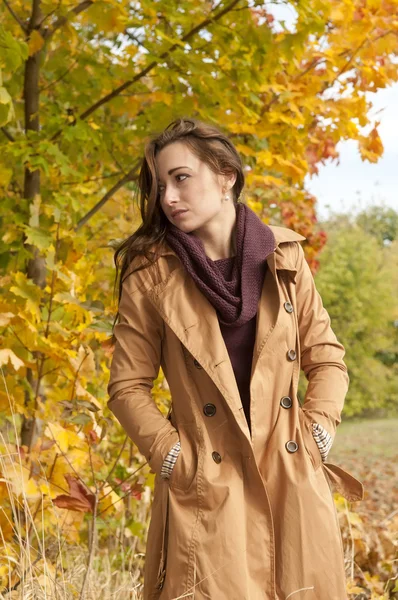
[
  {"x": 82, "y": 86},
  {"x": 358, "y": 283}
]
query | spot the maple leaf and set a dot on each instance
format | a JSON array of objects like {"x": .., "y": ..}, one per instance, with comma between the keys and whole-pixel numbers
[
  {"x": 80, "y": 498},
  {"x": 371, "y": 147}
]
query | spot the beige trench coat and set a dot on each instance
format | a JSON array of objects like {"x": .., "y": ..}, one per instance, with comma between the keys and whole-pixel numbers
[{"x": 242, "y": 517}]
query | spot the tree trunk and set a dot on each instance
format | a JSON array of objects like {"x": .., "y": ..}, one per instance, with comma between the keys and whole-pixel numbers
[{"x": 35, "y": 267}]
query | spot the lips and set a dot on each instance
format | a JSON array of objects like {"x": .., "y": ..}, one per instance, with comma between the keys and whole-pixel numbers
[{"x": 178, "y": 212}]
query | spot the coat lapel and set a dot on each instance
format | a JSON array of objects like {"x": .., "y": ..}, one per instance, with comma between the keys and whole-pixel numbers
[{"x": 194, "y": 320}]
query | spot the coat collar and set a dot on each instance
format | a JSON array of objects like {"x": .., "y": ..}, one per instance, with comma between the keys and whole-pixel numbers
[
  {"x": 281, "y": 234},
  {"x": 194, "y": 320}
]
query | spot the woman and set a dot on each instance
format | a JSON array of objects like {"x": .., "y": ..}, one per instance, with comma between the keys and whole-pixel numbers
[{"x": 226, "y": 305}]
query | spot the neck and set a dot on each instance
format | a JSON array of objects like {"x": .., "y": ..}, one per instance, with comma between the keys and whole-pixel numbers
[{"x": 220, "y": 241}]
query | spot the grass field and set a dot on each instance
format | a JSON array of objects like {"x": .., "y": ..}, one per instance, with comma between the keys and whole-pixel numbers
[
  {"x": 377, "y": 438},
  {"x": 369, "y": 450}
]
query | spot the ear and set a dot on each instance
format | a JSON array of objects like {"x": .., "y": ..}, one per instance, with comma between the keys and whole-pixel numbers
[{"x": 228, "y": 181}]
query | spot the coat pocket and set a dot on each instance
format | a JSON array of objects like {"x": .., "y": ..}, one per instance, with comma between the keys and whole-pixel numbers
[
  {"x": 309, "y": 442},
  {"x": 185, "y": 467}
]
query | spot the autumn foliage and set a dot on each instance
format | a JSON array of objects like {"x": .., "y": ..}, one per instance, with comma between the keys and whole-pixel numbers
[{"x": 82, "y": 86}]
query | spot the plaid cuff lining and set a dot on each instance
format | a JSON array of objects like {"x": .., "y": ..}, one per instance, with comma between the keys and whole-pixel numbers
[
  {"x": 323, "y": 439},
  {"x": 170, "y": 461}
]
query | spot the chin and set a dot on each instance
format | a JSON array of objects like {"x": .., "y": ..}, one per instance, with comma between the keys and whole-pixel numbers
[{"x": 185, "y": 227}]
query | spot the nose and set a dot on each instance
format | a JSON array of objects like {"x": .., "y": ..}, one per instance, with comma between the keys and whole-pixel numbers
[{"x": 170, "y": 196}]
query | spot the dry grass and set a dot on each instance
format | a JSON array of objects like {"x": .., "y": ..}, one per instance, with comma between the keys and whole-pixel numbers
[{"x": 42, "y": 566}]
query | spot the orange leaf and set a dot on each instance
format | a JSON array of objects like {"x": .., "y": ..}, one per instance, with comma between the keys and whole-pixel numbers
[{"x": 80, "y": 498}]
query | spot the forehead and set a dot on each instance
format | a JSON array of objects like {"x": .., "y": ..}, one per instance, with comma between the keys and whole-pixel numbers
[{"x": 175, "y": 155}]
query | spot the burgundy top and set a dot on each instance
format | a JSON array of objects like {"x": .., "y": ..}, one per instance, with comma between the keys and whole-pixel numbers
[
  {"x": 232, "y": 285},
  {"x": 239, "y": 341}
]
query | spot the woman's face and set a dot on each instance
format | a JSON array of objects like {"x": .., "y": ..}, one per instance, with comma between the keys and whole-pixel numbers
[{"x": 187, "y": 183}]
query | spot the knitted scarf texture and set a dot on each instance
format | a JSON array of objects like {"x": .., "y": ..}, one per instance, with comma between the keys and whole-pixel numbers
[{"x": 235, "y": 300}]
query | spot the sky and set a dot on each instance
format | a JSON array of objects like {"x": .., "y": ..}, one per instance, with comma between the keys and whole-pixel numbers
[{"x": 354, "y": 185}]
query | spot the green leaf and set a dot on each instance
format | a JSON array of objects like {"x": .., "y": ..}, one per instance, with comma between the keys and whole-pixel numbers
[
  {"x": 38, "y": 237},
  {"x": 90, "y": 405},
  {"x": 81, "y": 419}
]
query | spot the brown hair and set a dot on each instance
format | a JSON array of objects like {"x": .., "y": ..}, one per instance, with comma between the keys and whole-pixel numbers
[{"x": 212, "y": 147}]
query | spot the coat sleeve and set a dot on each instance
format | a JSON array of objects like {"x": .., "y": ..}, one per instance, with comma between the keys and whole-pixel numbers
[
  {"x": 321, "y": 358},
  {"x": 134, "y": 367}
]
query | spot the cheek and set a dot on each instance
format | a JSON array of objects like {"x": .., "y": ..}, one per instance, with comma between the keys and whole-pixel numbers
[{"x": 204, "y": 192}]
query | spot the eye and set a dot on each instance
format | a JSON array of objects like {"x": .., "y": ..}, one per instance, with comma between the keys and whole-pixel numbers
[
  {"x": 182, "y": 175},
  {"x": 161, "y": 187}
]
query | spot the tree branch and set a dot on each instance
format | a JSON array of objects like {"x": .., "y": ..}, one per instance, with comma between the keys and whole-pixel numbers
[
  {"x": 47, "y": 33},
  {"x": 153, "y": 64},
  {"x": 7, "y": 134},
  {"x": 46, "y": 87},
  {"x": 15, "y": 16},
  {"x": 133, "y": 38},
  {"x": 101, "y": 178},
  {"x": 130, "y": 176}
]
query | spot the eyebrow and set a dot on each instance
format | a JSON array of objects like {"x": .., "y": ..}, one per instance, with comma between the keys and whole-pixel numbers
[{"x": 175, "y": 169}]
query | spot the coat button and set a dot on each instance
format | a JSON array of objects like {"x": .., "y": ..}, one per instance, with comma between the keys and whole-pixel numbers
[
  {"x": 216, "y": 457},
  {"x": 209, "y": 410},
  {"x": 291, "y": 355},
  {"x": 291, "y": 446},
  {"x": 197, "y": 364},
  {"x": 288, "y": 307},
  {"x": 286, "y": 402}
]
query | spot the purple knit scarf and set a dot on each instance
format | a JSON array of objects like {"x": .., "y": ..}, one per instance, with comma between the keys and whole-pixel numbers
[{"x": 236, "y": 300}]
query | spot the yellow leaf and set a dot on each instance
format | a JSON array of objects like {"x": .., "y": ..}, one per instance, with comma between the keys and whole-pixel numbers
[
  {"x": 19, "y": 481},
  {"x": 84, "y": 362},
  {"x": 93, "y": 125},
  {"x": 224, "y": 61},
  {"x": 268, "y": 180},
  {"x": 6, "y": 525},
  {"x": 69, "y": 525},
  {"x": 81, "y": 392},
  {"x": 5, "y": 318},
  {"x": 265, "y": 157},
  {"x": 25, "y": 288},
  {"x": 111, "y": 502},
  {"x": 165, "y": 97},
  {"x": 256, "y": 206},
  {"x": 354, "y": 518},
  {"x": 45, "y": 488},
  {"x": 64, "y": 437},
  {"x": 172, "y": 41},
  {"x": 337, "y": 14},
  {"x": 35, "y": 42},
  {"x": 8, "y": 355},
  {"x": 351, "y": 588},
  {"x": 57, "y": 482},
  {"x": 246, "y": 150},
  {"x": 5, "y": 175},
  {"x": 373, "y": 4},
  {"x": 34, "y": 209},
  {"x": 371, "y": 147},
  {"x": 4, "y": 495}
]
